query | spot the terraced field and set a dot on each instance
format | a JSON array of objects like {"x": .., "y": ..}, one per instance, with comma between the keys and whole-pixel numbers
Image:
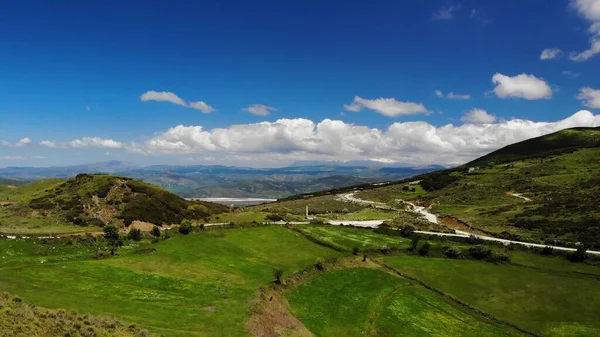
[
  {"x": 371, "y": 302},
  {"x": 195, "y": 285},
  {"x": 543, "y": 297}
]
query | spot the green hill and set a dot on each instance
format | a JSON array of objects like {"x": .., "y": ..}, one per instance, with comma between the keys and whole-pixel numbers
[
  {"x": 545, "y": 189},
  {"x": 96, "y": 200},
  {"x": 557, "y": 143}
]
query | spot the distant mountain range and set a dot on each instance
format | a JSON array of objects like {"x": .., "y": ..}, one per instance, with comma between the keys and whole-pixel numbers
[{"x": 228, "y": 181}]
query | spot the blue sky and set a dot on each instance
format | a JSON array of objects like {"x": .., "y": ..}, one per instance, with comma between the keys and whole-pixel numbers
[{"x": 72, "y": 74}]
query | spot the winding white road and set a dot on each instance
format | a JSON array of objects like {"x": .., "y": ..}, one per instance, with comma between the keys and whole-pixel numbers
[{"x": 458, "y": 233}]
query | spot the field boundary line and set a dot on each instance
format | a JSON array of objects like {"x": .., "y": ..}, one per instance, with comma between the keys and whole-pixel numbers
[
  {"x": 454, "y": 299},
  {"x": 317, "y": 241}
]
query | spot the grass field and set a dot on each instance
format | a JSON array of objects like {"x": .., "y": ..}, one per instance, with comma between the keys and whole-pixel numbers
[
  {"x": 196, "y": 285},
  {"x": 316, "y": 205},
  {"x": 359, "y": 302},
  {"x": 364, "y": 214},
  {"x": 350, "y": 237},
  {"x": 238, "y": 217},
  {"x": 388, "y": 194},
  {"x": 548, "y": 299},
  {"x": 30, "y": 191},
  {"x": 12, "y": 222}
]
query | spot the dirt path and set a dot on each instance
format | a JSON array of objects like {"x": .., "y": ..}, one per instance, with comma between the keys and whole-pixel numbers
[{"x": 518, "y": 195}]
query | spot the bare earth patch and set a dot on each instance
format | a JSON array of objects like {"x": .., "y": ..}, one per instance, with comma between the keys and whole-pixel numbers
[{"x": 272, "y": 317}]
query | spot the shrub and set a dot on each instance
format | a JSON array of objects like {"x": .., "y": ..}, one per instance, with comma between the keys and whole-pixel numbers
[
  {"x": 414, "y": 243},
  {"x": 407, "y": 230},
  {"x": 135, "y": 234},
  {"x": 95, "y": 222},
  {"x": 579, "y": 254},
  {"x": 453, "y": 252},
  {"x": 498, "y": 257},
  {"x": 480, "y": 252},
  {"x": 319, "y": 265},
  {"x": 185, "y": 227},
  {"x": 423, "y": 248},
  {"x": 111, "y": 233},
  {"x": 278, "y": 274},
  {"x": 155, "y": 231},
  {"x": 274, "y": 217},
  {"x": 547, "y": 250}
]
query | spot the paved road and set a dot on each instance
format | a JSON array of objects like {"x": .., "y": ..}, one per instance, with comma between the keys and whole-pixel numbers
[{"x": 458, "y": 233}]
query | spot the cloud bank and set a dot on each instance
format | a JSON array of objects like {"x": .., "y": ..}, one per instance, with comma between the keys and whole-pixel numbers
[{"x": 409, "y": 142}]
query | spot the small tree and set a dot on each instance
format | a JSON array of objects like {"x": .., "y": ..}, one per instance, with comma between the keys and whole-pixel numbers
[
  {"x": 278, "y": 273},
  {"x": 407, "y": 230},
  {"x": 155, "y": 231},
  {"x": 135, "y": 234},
  {"x": 453, "y": 252},
  {"x": 319, "y": 265},
  {"x": 547, "y": 250},
  {"x": 480, "y": 252},
  {"x": 111, "y": 234},
  {"x": 579, "y": 255},
  {"x": 424, "y": 248},
  {"x": 414, "y": 243},
  {"x": 185, "y": 227}
]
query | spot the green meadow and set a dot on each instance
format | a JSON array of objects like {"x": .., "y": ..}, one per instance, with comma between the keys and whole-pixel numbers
[
  {"x": 371, "y": 302},
  {"x": 542, "y": 298},
  {"x": 206, "y": 284},
  {"x": 196, "y": 285}
]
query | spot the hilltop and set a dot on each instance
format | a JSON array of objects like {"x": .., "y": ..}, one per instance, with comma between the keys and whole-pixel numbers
[
  {"x": 561, "y": 142},
  {"x": 96, "y": 200}
]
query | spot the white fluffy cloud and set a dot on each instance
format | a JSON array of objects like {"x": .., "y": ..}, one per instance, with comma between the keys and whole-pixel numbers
[
  {"x": 590, "y": 97},
  {"x": 387, "y": 106},
  {"x": 521, "y": 86},
  {"x": 410, "y": 142},
  {"x": 259, "y": 109},
  {"x": 478, "y": 116},
  {"x": 551, "y": 54},
  {"x": 165, "y": 96},
  {"x": 590, "y": 11},
  {"x": 84, "y": 142},
  {"x": 20, "y": 143},
  {"x": 23, "y": 142},
  {"x": 452, "y": 95},
  {"x": 48, "y": 143}
]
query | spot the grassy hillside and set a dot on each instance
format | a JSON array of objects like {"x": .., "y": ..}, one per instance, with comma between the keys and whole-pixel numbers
[
  {"x": 196, "y": 285},
  {"x": 46, "y": 322},
  {"x": 546, "y": 189},
  {"x": 557, "y": 143},
  {"x": 207, "y": 284},
  {"x": 359, "y": 302},
  {"x": 544, "y": 299},
  {"x": 96, "y": 200}
]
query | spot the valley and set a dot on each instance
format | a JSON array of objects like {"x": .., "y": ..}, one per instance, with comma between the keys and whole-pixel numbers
[{"x": 441, "y": 253}]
